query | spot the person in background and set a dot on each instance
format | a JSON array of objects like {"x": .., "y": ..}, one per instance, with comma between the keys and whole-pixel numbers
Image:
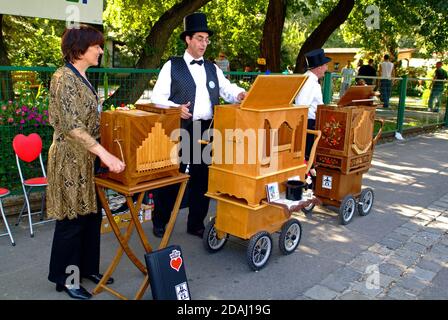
[
  {"x": 222, "y": 62},
  {"x": 359, "y": 65},
  {"x": 437, "y": 87},
  {"x": 74, "y": 112},
  {"x": 194, "y": 85},
  {"x": 386, "y": 72},
  {"x": 347, "y": 73},
  {"x": 367, "y": 70}
]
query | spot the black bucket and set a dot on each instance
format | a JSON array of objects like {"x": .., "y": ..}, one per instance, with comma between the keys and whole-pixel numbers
[{"x": 294, "y": 189}]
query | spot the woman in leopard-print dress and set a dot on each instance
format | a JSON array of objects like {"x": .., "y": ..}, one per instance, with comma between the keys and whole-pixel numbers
[{"x": 71, "y": 199}]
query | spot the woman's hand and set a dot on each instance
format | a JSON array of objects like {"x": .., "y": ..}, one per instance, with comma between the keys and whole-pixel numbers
[{"x": 114, "y": 164}]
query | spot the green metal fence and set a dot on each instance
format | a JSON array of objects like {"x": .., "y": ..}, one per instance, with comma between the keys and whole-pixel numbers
[
  {"x": 24, "y": 105},
  {"x": 24, "y": 102},
  {"x": 408, "y": 104},
  {"x": 17, "y": 81}
]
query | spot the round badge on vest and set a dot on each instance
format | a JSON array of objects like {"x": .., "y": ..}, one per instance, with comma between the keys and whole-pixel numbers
[{"x": 211, "y": 84}]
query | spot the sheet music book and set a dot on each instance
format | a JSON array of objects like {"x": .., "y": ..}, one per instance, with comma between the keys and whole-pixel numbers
[
  {"x": 357, "y": 94},
  {"x": 363, "y": 100},
  {"x": 272, "y": 191}
]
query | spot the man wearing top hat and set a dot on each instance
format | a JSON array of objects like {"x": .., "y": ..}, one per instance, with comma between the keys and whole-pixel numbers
[
  {"x": 311, "y": 92},
  {"x": 194, "y": 85}
]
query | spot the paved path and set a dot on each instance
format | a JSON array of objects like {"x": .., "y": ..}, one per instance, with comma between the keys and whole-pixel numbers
[
  {"x": 403, "y": 265},
  {"x": 398, "y": 251}
]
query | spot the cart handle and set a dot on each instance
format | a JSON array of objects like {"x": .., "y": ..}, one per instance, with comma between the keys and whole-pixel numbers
[
  {"x": 317, "y": 133},
  {"x": 378, "y": 135}
]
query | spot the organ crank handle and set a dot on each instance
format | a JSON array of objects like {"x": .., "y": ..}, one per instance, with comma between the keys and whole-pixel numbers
[
  {"x": 317, "y": 133},
  {"x": 203, "y": 141}
]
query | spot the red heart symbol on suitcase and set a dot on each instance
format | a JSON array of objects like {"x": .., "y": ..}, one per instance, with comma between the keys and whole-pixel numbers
[
  {"x": 176, "y": 263},
  {"x": 27, "y": 148}
]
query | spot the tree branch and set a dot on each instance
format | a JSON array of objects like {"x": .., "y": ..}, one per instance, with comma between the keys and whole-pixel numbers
[{"x": 320, "y": 35}]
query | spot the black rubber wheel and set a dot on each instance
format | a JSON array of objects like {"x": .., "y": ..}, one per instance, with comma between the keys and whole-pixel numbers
[
  {"x": 347, "y": 209},
  {"x": 309, "y": 209},
  {"x": 210, "y": 238},
  {"x": 259, "y": 250},
  {"x": 365, "y": 203},
  {"x": 290, "y": 236}
]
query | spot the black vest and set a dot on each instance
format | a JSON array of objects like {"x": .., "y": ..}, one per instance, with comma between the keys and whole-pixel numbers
[{"x": 183, "y": 87}]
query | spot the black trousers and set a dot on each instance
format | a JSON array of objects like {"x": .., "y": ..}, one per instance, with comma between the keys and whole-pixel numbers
[
  {"x": 76, "y": 242},
  {"x": 198, "y": 203},
  {"x": 309, "y": 138}
]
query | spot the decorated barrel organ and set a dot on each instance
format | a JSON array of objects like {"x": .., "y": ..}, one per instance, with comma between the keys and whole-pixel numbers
[
  {"x": 147, "y": 142},
  {"x": 347, "y": 141},
  {"x": 345, "y": 150}
]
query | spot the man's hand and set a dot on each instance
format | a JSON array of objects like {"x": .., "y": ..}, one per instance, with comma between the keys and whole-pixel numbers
[
  {"x": 184, "y": 111},
  {"x": 241, "y": 96}
]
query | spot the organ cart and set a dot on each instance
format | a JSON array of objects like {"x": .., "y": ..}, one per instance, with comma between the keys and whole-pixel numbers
[
  {"x": 345, "y": 152},
  {"x": 256, "y": 143}
]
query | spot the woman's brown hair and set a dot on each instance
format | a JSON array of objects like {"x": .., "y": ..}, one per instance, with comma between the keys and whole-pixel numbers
[{"x": 76, "y": 41}]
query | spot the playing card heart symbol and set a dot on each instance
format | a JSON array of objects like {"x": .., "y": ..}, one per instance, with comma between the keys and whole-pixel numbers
[
  {"x": 176, "y": 263},
  {"x": 27, "y": 148}
]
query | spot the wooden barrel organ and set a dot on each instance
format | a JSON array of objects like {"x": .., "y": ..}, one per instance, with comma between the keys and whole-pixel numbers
[
  {"x": 345, "y": 150},
  {"x": 147, "y": 141}
]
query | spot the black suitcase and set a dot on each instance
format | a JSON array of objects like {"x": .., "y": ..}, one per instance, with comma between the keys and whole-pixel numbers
[{"x": 167, "y": 277}]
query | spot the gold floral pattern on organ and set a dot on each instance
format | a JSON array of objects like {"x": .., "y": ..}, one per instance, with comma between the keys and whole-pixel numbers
[{"x": 332, "y": 132}]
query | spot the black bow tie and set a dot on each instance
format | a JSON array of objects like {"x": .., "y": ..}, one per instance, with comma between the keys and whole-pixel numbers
[{"x": 199, "y": 62}]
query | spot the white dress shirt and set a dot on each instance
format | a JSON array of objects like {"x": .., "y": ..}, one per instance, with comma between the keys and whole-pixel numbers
[
  {"x": 203, "y": 108},
  {"x": 310, "y": 94}
]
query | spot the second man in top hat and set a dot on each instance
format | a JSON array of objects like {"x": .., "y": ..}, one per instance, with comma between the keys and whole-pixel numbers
[
  {"x": 311, "y": 92},
  {"x": 194, "y": 85}
]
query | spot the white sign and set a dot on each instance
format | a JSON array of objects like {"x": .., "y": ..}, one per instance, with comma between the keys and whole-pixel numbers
[
  {"x": 88, "y": 11},
  {"x": 182, "y": 291},
  {"x": 327, "y": 182}
]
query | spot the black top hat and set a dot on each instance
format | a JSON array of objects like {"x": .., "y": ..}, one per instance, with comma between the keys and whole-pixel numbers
[
  {"x": 316, "y": 58},
  {"x": 195, "y": 22}
]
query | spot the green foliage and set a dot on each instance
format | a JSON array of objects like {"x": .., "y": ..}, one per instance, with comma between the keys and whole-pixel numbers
[
  {"x": 238, "y": 27},
  {"x": 33, "y": 41},
  {"x": 411, "y": 23},
  {"x": 130, "y": 21}
]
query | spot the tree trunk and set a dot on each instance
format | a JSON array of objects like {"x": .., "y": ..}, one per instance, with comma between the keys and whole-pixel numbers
[
  {"x": 6, "y": 89},
  {"x": 155, "y": 44},
  {"x": 270, "y": 45},
  {"x": 319, "y": 36}
]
